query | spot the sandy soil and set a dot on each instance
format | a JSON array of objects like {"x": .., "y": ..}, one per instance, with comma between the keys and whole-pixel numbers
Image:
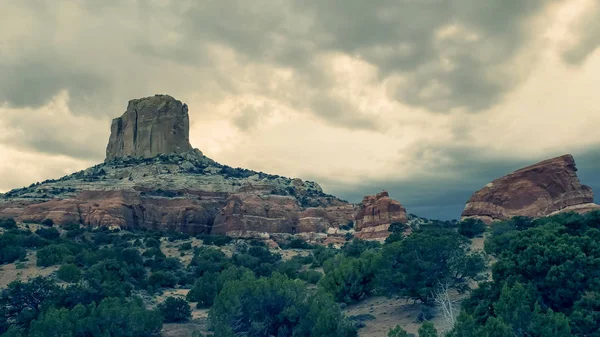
[{"x": 28, "y": 269}]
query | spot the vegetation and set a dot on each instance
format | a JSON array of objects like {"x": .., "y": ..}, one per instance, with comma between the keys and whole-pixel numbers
[
  {"x": 276, "y": 306},
  {"x": 471, "y": 227},
  {"x": 545, "y": 282},
  {"x": 175, "y": 309}
]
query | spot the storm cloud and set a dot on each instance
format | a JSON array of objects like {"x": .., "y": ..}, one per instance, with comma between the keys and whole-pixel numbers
[{"x": 429, "y": 99}]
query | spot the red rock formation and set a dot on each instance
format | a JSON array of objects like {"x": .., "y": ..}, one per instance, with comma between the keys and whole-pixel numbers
[
  {"x": 249, "y": 214},
  {"x": 376, "y": 214},
  {"x": 153, "y": 179},
  {"x": 543, "y": 189}
]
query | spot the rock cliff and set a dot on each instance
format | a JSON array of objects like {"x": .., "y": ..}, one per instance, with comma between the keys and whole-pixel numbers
[
  {"x": 375, "y": 215},
  {"x": 543, "y": 189},
  {"x": 152, "y": 178},
  {"x": 150, "y": 126}
]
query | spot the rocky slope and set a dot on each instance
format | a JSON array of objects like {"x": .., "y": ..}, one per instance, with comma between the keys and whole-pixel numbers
[
  {"x": 153, "y": 179},
  {"x": 375, "y": 215},
  {"x": 543, "y": 189}
]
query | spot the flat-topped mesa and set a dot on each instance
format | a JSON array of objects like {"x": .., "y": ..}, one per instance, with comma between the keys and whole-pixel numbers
[
  {"x": 151, "y": 126},
  {"x": 539, "y": 190},
  {"x": 376, "y": 214}
]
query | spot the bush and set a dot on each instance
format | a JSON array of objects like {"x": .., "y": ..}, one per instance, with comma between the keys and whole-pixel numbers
[
  {"x": 128, "y": 317},
  {"x": 175, "y": 309},
  {"x": 350, "y": 279},
  {"x": 54, "y": 254},
  {"x": 185, "y": 246},
  {"x": 48, "y": 233},
  {"x": 48, "y": 222},
  {"x": 205, "y": 290},
  {"x": 427, "y": 330},
  {"x": 8, "y": 223},
  {"x": 10, "y": 254},
  {"x": 69, "y": 273},
  {"x": 310, "y": 276},
  {"x": 152, "y": 243},
  {"x": 471, "y": 227},
  {"x": 297, "y": 243},
  {"x": 161, "y": 279},
  {"x": 397, "y": 332},
  {"x": 276, "y": 306}
]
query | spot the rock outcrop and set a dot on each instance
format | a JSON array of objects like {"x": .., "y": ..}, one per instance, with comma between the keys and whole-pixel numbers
[
  {"x": 376, "y": 214},
  {"x": 153, "y": 179},
  {"x": 543, "y": 189},
  {"x": 150, "y": 126}
]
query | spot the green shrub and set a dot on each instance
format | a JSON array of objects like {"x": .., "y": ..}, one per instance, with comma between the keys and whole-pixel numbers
[
  {"x": 350, "y": 279},
  {"x": 48, "y": 233},
  {"x": 10, "y": 254},
  {"x": 185, "y": 246},
  {"x": 54, "y": 254},
  {"x": 175, "y": 309},
  {"x": 69, "y": 273},
  {"x": 471, "y": 227},
  {"x": 276, "y": 306},
  {"x": 152, "y": 243},
  {"x": 205, "y": 290},
  {"x": 427, "y": 330},
  {"x": 48, "y": 222},
  {"x": 397, "y": 331},
  {"x": 8, "y": 223},
  {"x": 310, "y": 276}
]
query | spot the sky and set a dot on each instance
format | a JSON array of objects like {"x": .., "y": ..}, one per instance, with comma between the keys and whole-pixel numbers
[{"x": 427, "y": 99}]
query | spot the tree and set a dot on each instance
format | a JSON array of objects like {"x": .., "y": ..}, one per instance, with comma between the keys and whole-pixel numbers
[
  {"x": 48, "y": 222},
  {"x": 276, "y": 306},
  {"x": 21, "y": 302},
  {"x": 471, "y": 227},
  {"x": 112, "y": 316},
  {"x": 397, "y": 332},
  {"x": 69, "y": 273},
  {"x": 175, "y": 309},
  {"x": 9, "y": 223},
  {"x": 205, "y": 290},
  {"x": 427, "y": 330},
  {"x": 48, "y": 233},
  {"x": 351, "y": 278},
  {"x": 417, "y": 265}
]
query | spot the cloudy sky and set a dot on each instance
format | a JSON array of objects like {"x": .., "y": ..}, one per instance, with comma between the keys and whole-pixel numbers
[{"x": 428, "y": 99}]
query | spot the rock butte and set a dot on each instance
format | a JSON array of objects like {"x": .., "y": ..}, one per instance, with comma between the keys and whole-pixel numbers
[
  {"x": 153, "y": 178},
  {"x": 376, "y": 214},
  {"x": 150, "y": 126},
  {"x": 546, "y": 188}
]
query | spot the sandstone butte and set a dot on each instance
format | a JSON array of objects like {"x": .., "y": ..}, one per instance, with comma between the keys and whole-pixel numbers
[
  {"x": 153, "y": 178},
  {"x": 539, "y": 190},
  {"x": 376, "y": 214}
]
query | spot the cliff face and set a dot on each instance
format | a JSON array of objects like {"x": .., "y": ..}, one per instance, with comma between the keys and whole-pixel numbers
[
  {"x": 542, "y": 189},
  {"x": 150, "y": 126},
  {"x": 152, "y": 178},
  {"x": 376, "y": 214}
]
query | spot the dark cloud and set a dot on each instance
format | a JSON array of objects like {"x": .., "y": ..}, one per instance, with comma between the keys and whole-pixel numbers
[
  {"x": 465, "y": 69},
  {"x": 443, "y": 194}
]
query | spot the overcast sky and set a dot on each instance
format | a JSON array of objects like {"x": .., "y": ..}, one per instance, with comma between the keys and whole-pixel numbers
[{"x": 428, "y": 99}]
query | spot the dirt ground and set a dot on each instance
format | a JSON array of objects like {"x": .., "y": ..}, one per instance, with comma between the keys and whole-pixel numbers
[{"x": 23, "y": 270}]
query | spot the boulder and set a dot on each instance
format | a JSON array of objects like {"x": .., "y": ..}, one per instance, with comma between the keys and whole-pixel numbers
[
  {"x": 150, "y": 126},
  {"x": 546, "y": 188},
  {"x": 376, "y": 214}
]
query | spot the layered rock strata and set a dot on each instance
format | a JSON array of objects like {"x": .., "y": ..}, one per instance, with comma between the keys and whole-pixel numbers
[
  {"x": 539, "y": 190},
  {"x": 375, "y": 215}
]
